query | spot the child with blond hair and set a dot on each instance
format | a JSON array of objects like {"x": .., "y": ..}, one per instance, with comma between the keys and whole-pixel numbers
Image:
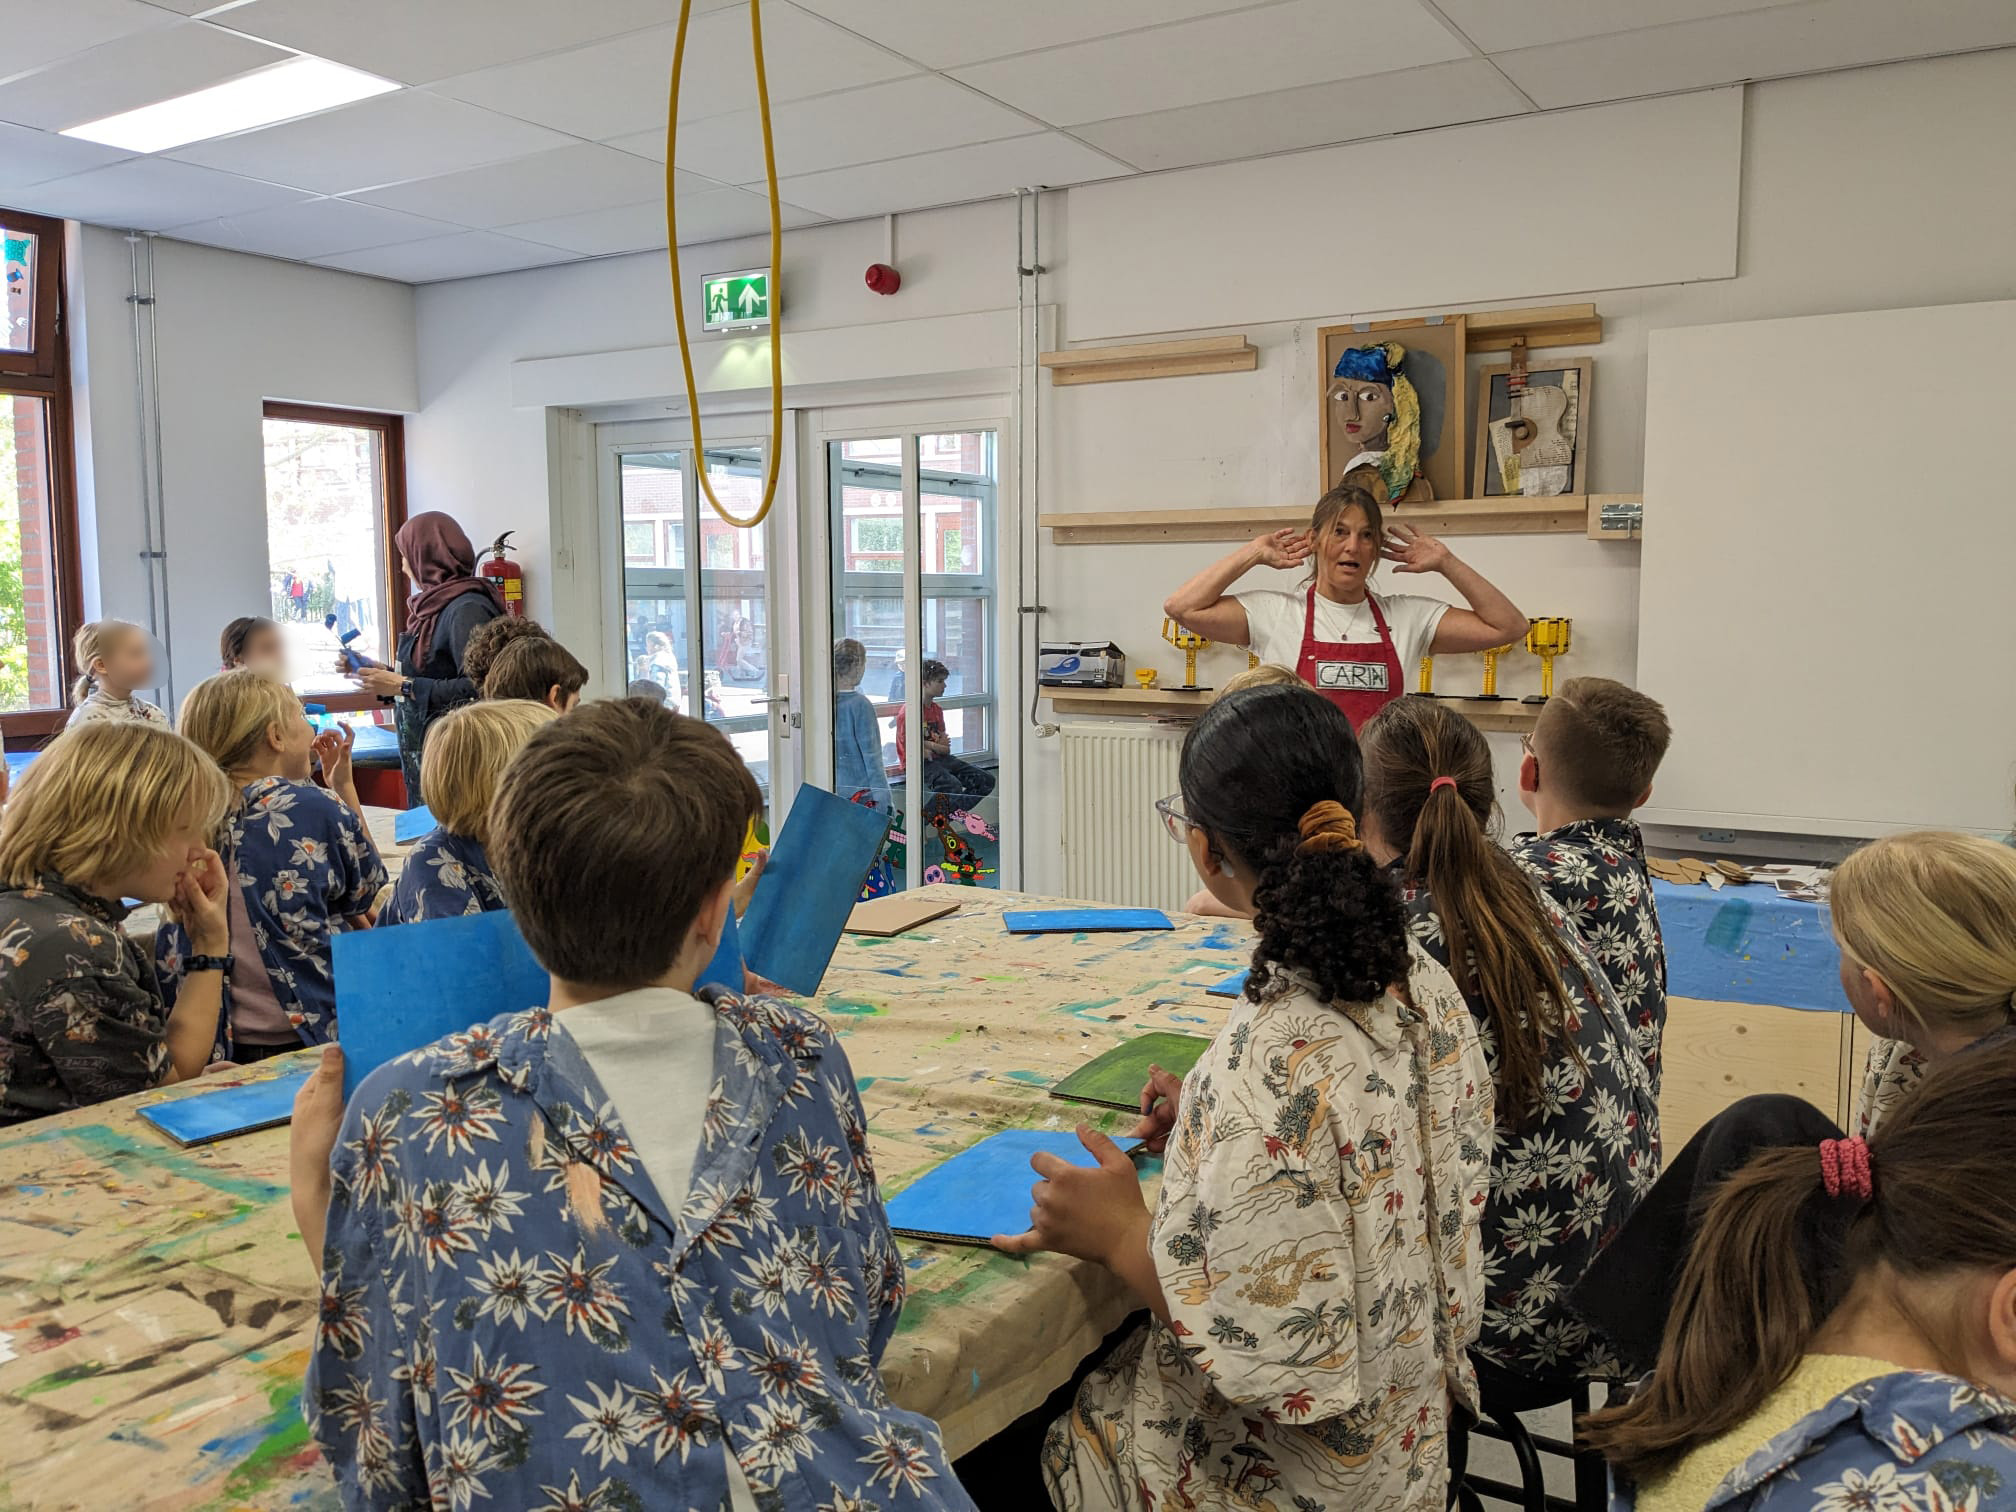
[{"x": 113, "y": 658}]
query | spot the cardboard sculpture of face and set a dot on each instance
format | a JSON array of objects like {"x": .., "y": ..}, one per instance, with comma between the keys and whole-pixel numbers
[{"x": 1375, "y": 410}]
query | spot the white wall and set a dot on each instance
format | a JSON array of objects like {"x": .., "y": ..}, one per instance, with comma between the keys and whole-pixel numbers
[
  {"x": 1877, "y": 188},
  {"x": 234, "y": 331}
]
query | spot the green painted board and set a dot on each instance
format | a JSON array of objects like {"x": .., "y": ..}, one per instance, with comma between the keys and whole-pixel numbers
[{"x": 1115, "y": 1079}]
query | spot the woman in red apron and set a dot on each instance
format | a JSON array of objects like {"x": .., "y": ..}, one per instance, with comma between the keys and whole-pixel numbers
[{"x": 1350, "y": 644}]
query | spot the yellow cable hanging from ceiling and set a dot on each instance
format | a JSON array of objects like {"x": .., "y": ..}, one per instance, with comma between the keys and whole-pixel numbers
[{"x": 776, "y": 257}]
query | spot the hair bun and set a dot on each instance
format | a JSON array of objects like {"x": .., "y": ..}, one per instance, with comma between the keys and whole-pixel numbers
[{"x": 1327, "y": 826}]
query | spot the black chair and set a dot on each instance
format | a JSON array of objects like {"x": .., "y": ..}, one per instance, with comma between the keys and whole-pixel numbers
[{"x": 1504, "y": 1397}]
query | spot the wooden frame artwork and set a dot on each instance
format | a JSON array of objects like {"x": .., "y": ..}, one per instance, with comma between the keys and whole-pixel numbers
[
  {"x": 1556, "y": 422},
  {"x": 1434, "y": 364}
]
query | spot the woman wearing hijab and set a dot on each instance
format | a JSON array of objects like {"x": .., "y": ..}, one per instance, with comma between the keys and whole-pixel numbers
[{"x": 450, "y": 602}]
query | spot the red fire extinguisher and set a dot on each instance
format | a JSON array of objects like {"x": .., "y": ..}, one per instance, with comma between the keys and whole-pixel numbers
[{"x": 507, "y": 575}]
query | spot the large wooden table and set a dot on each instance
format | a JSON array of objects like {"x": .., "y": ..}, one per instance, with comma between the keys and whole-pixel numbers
[{"x": 156, "y": 1304}]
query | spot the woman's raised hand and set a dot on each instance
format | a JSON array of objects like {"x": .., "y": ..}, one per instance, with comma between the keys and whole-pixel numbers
[{"x": 1283, "y": 549}]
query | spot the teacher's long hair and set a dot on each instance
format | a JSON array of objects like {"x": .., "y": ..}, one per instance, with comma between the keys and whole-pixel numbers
[{"x": 1273, "y": 776}]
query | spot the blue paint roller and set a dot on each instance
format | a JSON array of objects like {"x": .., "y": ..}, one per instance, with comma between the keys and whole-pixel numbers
[{"x": 357, "y": 663}]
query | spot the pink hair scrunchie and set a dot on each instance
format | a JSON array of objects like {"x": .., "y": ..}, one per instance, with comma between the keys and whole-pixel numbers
[{"x": 1844, "y": 1168}]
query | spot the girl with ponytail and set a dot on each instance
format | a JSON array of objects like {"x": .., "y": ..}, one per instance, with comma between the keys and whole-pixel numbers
[
  {"x": 1312, "y": 1262},
  {"x": 1577, "y": 1141},
  {"x": 1845, "y": 1332}
]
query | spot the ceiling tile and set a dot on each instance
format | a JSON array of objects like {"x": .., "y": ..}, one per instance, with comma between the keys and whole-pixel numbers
[
  {"x": 1496, "y": 26},
  {"x": 860, "y": 126},
  {"x": 1792, "y": 39},
  {"x": 151, "y": 194},
  {"x": 195, "y": 7},
  {"x": 982, "y": 171},
  {"x": 385, "y": 140},
  {"x": 417, "y": 41},
  {"x": 312, "y": 228},
  {"x": 716, "y": 215},
  {"x": 1218, "y": 58},
  {"x": 37, "y": 32},
  {"x": 131, "y": 72},
  {"x": 470, "y": 254},
  {"x": 1348, "y": 110},
  {"x": 544, "y": 185},
  {"x": 947, "y": 33},
  {"x": 620, "y": 87},
  {"x": 32, "y": 157}
]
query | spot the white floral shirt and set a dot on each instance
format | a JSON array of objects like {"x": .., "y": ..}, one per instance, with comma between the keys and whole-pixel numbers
[{"x": 1317, "y": 1241}]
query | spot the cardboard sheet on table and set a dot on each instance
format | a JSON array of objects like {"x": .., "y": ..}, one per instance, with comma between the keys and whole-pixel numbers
[
  {"x": 412, "y": 823},
  {"x": 1231, "y": 987},
  {"x": 984, "y": 1189},
  {"x": 1749, "y": 945},
  {"x": 896, "y": 914},
  {"x": 1084, "y": 920},
  {"x": 818, "y": 861},
  {"x": 406, "y": 986},
  {"x": 1115, "y": 1079},
  {"x": 225, "y": 1111}
]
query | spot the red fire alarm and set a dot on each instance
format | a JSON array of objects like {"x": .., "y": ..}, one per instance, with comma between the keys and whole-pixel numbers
[{"x": 883, "y": 279}]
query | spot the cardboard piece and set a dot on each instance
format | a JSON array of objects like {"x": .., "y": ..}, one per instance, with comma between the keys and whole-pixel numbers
[
  {"x": 1115, "y": 1079},
  {"x": 1083, "y": 920},
  {"x": 241, "y": 1109},
  {"x": 412, "y": 823},
  {"x": 896, "y": 914},
  {"x": 984, "y": 1189},
  {"x": 817, "y": 864},
  {"x": 1233, "y": 986}
]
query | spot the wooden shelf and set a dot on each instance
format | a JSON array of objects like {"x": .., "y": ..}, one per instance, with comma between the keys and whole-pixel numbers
[
  {"x": 1507, "y": 714},
  {"x": 1570, "y": 514},
  {"x": 1151, "y": 359},
  {"x": 1542, "y": 326}
]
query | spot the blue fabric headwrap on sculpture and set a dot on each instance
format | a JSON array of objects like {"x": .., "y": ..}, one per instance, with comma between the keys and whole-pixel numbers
[{"x": 1367, "y": 363}]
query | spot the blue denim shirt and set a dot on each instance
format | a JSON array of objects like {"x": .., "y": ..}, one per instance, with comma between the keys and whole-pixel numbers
[
  {"x": 445, "y": 877},
  {"x": 514, "y": 1316},
  {"x": 305, "y": 863}
]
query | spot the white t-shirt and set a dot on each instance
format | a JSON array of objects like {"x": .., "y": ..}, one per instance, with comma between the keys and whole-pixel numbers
[{"x": 1274, "y": 625}]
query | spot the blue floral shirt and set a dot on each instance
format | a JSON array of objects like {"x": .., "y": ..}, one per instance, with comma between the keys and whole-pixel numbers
[
  {"x": 514, "y": 1316},
  {"x": 305, "y": 863},
  {"x": 445, "y": 877},
  {"x": 1913, "y": 1441}
]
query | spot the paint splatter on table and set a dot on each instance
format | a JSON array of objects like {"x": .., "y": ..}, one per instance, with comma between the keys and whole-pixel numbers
[{"x": 155, "y": 1304}]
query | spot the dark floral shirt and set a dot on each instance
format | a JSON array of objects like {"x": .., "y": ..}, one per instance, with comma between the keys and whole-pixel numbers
[
  {"x": 81, "y": 1015},
  {"x": 445, "y": 877},
  {"x": 1595, "y": 870},
  {"x": 1562, "y": 1186}
]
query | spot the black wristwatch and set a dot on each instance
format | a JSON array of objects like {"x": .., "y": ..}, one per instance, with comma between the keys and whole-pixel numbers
[{"x": 222, "y": 963}]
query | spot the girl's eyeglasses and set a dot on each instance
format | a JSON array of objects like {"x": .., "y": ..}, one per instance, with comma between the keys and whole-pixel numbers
[{"x": 1174, "y": 820}]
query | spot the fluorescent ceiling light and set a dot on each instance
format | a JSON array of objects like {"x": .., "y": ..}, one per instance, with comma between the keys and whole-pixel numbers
[{"x": 300, "y": 86}]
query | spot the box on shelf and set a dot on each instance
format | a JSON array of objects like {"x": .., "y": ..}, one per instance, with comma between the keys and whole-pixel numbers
[{"x": 1080, "y": 664}]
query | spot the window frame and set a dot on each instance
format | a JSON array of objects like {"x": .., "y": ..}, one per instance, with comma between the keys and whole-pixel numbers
[
  {"x": 43, "y": 372},
  {"x": 391, "y": 430}
]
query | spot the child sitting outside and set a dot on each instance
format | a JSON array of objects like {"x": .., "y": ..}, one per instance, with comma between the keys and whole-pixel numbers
[
  {"x": 113, "y": 658},
  {"x": 959, "y": 781},
  {"x": 303, "y": 862},
  {"x": 1845, "y": 1332},
  {"x": 624, "y": 1248},
  {"x": 1312, "y": 1261},
  {"x": 1588, "y": 763},
  {"x": 448, "y": 874},
  {"x": 107, "y": 812},
  {"x": 535, "y": 668}
]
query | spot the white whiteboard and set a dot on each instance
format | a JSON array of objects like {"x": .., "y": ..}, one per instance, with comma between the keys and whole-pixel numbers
[{"x": 1828, "y": 599}]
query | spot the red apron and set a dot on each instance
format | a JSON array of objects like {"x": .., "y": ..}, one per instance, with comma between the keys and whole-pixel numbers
[{"x": 1360, "y": 678}]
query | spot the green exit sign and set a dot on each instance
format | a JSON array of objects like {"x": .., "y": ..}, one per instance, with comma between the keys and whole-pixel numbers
[{"x": 735, "y": 299}]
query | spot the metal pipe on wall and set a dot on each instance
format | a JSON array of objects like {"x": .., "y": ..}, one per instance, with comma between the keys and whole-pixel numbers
[{"x": 147, "y": 434}]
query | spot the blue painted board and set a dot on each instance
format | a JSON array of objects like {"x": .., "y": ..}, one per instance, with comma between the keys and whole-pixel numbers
[
  {"x": 400, "y": 988},
  {"x": 1083, "y": 920},
  {"x": 1747, "y": 944},
  {"x": 412, "y": 823},
  {"x": 18, "y": 762},
  {"x": 1231, "y": 987},
  {"x": 204, "y": 1116},
  {"x": 818, "y": 861},
  {"x": 984, "y": 1189}
]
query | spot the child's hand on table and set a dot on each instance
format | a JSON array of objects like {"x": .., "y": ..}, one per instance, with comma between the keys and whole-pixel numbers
[
  {"x": 1094, "y": 1213},
  {"x": 1158, "y": 1110},
  {"x": 311, "y": 1138}
]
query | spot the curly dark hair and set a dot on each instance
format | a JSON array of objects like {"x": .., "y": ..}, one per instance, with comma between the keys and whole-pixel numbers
[
  {"x": 488, "y": 640},
  {"x": 1258, "y": 761}
]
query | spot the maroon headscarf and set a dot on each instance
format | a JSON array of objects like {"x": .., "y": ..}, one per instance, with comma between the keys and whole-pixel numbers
[{"x": 444, "y": 565}]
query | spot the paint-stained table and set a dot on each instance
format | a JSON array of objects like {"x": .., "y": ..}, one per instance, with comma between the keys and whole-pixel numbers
[{"x": 155, "y": 1303}]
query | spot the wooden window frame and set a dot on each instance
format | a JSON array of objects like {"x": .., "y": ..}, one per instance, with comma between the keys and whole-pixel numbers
[
  {"x": 392, "y": 514},
  {"x": 43, "y": 372}
]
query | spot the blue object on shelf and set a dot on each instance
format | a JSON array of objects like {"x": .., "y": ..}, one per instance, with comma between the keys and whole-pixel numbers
[
  {"x": 225, "y": 1111},
  {"x": 984, "y": 1189},
  {"x": 810, "y": 885},
  {"x": 1747, "y": 944},
  {"x": 1231, "y": 987},
  {"x": 412, "y": 823},
  {"x": 1083, "y": 920}
]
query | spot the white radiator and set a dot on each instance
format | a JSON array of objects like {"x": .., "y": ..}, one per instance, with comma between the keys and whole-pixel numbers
[{"x": 1115, "y": 847}]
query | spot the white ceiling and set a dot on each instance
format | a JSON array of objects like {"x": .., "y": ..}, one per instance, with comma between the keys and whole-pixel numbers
[{"x": 532, "y": 132}]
